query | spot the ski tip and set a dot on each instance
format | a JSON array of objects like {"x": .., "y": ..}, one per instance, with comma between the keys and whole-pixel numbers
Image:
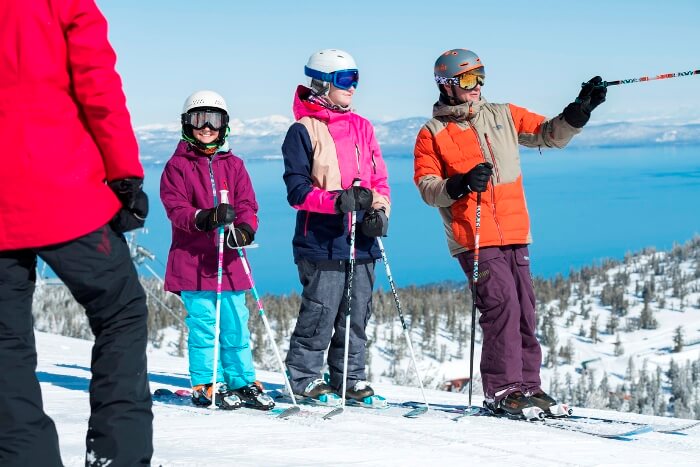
[
  {"x": 333, "y": 413},
  {"x": 418, "y": 411},
  {"x": 468, "y": 412},
  {"x": 289, "y": 412},
  {"x": 162, "y": 392}
]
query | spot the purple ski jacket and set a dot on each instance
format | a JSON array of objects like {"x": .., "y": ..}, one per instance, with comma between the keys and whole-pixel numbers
[{"x": 185, "y": 187}]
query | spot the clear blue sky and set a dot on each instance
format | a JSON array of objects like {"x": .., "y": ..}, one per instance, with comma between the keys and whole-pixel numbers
[{"x": 536, "y": 52}]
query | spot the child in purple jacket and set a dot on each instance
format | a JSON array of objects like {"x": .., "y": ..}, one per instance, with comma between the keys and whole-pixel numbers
[{"x": 201, "y": 166}]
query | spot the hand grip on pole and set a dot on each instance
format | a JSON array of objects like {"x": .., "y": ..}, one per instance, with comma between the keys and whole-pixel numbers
[{"x": 224, "y": 196}]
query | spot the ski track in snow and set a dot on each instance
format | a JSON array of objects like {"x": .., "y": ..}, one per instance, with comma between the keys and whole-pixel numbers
[{"x": 184, "y": 436}]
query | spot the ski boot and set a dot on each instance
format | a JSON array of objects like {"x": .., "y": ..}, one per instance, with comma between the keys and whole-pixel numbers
[
  {"x": 362, "y": 394},
  {"x": 319, "y": 392},
  {"x": 224, "y": 399},
  {"x": 515, "y": 405},
  {"x": 359, "y": 391},
  {"x": 252, "y": 396},
  {"x": 550, "y": 406}
]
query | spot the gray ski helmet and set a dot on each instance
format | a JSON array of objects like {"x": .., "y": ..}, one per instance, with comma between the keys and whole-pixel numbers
[{"x": 453, "y": 63}]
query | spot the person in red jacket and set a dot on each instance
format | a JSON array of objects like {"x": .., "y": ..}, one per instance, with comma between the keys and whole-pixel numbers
[{"x": 68, "y": 203}]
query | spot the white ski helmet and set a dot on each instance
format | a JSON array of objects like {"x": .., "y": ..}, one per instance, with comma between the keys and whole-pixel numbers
[
  {"x": 208, "y": 99},
  {"x": 205, "y": 100},
  {"x": 323, "y": 66}
]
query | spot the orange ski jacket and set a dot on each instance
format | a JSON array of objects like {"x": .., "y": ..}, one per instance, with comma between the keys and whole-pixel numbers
[{"x": 458, "y": 138}]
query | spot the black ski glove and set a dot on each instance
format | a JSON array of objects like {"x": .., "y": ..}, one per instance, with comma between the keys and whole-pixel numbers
[
  {"x": 240, "y": 235},
  {"x": 134, "y": 201},
  {"x": 356, "y": 198},
  {"x": 460, "y": 185},
  {"x": 209, "y": 219},
  {"x": 591, "y": 96},
  {"x": 375, "y": 223}
]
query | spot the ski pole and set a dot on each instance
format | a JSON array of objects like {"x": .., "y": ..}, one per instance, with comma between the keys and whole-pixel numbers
[
  {"x": 348, "y": 298},
  {"x": 219, "y": 280},
  {"x": 403, "y": 322},
  {"x": 475, "y": 278},
  {"x": 642, "y": 79},
  {"x": 246, "y": 267}
]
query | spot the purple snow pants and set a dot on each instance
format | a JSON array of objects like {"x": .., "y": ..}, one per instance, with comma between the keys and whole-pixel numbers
[{"x": 510, "y": 354}]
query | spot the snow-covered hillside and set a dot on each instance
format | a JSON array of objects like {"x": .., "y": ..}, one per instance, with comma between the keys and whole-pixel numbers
[
  {"x": 186, "y": 436},
  {"x": 623, "y": 335},
  {"x": 262, "y": 137}
]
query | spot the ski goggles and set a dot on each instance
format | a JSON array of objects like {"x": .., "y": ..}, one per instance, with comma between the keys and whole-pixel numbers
[
  {"x": 341, "y": 79},
  {"x": 199, "y": 119},
  {"x": 466, "y": 81}
]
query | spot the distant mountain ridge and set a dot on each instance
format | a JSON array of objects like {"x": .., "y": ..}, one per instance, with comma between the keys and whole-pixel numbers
[{"x": 262, "y": 137}]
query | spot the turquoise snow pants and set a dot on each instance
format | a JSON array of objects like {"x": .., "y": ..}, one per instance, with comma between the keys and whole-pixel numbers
[{"x": 235, "y": 365}]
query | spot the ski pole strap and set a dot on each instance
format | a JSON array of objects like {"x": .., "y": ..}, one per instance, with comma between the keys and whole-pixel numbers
[{"x": 642, "y": 79}]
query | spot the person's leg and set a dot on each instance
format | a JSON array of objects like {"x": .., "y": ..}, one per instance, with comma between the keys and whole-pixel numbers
[
  {"x": 97, "y": 269},
  {"x": 363, "y": 283},
  {"x": 497, "y": 300},
  {"x": 201, "y": 321},
  {"x": 236, "y": 355},
  {"x": 322, "y": 292},
  {"x": 27, "y": 434},
  {"x": 531, "y": 350}
]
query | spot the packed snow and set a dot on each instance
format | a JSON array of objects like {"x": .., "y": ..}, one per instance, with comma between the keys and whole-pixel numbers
[{"x": 188, "y": 436}]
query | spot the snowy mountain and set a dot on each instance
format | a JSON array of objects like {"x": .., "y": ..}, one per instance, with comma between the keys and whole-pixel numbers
[
  {"x": 187, "y": 436},
  {"x": 262, "y": 137}
]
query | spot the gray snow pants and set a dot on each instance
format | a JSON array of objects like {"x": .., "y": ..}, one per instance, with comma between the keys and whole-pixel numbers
[
  {"x": 321, "y": 322},
  {"x": 510, "y": 353}
]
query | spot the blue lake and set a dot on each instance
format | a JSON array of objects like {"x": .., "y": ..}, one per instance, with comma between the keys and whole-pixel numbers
[{"x": 585, "y": 205}]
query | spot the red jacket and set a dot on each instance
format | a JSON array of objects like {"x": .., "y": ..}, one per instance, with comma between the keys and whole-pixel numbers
[{"x": 64, "y": 123}]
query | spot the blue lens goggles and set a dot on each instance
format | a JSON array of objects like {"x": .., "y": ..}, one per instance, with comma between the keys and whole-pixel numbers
[{"x": 341, "y": 79}]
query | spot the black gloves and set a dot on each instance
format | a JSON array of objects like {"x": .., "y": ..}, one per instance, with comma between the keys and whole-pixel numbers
[
  {"x": 209, "y": 219},
  {"x": 375, "y": 223},
  {"x": 460, "y": 185},
  {"x": 134, "y": 201},
  {"x": 241, "y": 235},
  {"x": 355, "y": 198},
  {"x": 591, "y": 96}
]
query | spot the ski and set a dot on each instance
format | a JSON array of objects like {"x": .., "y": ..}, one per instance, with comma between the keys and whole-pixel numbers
[
  {"x": 668, "y": 429},
  {"x": 375, "y": 403},
  {"x": 601, "y": 427},
  {"x": 183, "y": 397}
]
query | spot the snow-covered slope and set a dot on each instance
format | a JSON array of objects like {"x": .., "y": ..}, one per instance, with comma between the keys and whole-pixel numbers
[{"x": 186, "y": 436}]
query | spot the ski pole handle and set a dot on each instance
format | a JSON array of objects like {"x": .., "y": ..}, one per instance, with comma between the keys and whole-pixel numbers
[{"x": 224, "y": 196}]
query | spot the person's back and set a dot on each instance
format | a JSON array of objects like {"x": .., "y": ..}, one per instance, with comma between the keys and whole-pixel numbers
[
  {"x": 70, "y": 185},
  {"x": 67, "y": 128}
]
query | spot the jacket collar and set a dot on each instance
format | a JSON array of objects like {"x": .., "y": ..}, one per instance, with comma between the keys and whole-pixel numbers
[
  {"x": 460, "y": 112},
  {"x": 188, "y": 151},
  {"x": 303, "y": 108}
]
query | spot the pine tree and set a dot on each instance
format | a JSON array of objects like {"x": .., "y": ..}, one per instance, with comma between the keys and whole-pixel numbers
[
  {"x": 594, "y": 329},
  {"x": 619, "y": 349},
  {"x": 678, "y": 339}
]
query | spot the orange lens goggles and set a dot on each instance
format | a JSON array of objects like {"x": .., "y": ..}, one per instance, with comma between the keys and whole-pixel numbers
[{"x": 469, "y": 80}]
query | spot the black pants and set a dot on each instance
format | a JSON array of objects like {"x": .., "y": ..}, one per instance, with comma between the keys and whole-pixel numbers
[{"x": 97, "y": 269}]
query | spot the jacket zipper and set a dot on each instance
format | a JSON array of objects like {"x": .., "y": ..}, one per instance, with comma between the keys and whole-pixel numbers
[
  {"x": 493, "y": 157},
  {"x": 213, "y": 183},
  {"x": 493, "y": 189},
  {"x": 357, "y": 159}
]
